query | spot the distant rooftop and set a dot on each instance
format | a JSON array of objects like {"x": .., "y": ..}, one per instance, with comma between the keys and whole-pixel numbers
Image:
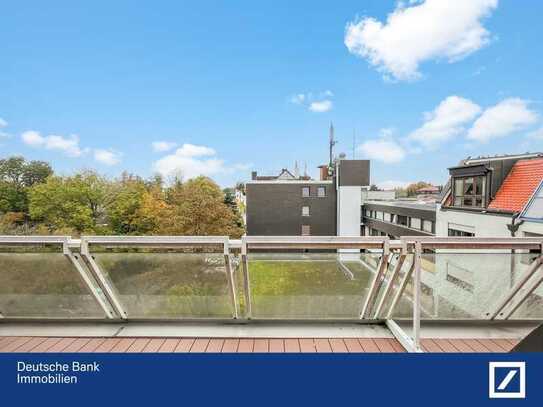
[{"x": 284, "y": 175}]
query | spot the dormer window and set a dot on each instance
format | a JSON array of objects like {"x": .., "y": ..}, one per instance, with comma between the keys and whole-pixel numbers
[{"x": 469, "y": 192}]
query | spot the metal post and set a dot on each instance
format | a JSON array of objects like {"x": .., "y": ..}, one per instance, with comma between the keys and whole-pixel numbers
[
  {"x": 416, "y": 298},
  {"x": 110, "y": 294},
  {"x": 230, "y": 278},
  {"x": 516, "y": 288},
  {"x": 108, "y": 310},
  {"x": 393, "y": 278},
  {"x": 377, "y": 281},
  {"x": 246, "y": 282},
  {"x": 400, "y": 291}
]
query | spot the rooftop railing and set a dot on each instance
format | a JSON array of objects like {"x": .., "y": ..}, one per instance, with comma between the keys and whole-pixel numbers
[{"x": 262, "y": 278}]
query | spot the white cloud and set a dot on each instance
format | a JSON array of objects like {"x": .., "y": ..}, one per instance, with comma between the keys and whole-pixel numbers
[
  {"x": 445, "y": 121},
  {"x": 107, "y": 157},
  {"x": 318, "y": 103},
  {"x": 392, "y": 184},
  {"x": 321, "y": 106},
  {"x": 162, "y": 146},
  {"x": 67, "y": 145},
  {"x": 508, "y": 116},
  {"x": 382, "y": 149},
  {"x": 536, "y": 134},
  {"x": 298, "y": 99},
  {"x": 190, "y": 161},
  {"x": 3, "y": 123},
  {"x": 433, "y": 29}
]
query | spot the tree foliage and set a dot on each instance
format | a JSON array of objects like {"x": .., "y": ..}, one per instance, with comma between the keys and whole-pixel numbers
[
  {"x": 33, "y": 200},
  {"x": 16, "y": 176}
]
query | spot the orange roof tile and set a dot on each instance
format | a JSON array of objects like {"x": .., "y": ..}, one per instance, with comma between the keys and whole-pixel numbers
[{"x": 519, "y": 185}]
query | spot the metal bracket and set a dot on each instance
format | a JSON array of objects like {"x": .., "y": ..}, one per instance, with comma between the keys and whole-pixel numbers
[
  {"x": 534, "y": 266},
  {"x": 110, "y": 294},
  {"x": 405, "y": 340},
  {"x": 108, "y": 310},
  {"x": 401, "y": 289},
  {"x": 377, "y": 281},
  {"x": 392, "y": 280}
]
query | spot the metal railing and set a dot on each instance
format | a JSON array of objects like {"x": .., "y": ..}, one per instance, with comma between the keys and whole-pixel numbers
[{"x": 398, "y": 277}]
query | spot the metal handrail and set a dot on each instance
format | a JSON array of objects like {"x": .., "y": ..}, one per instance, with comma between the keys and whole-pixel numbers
[{"x": 94, "y": 277}]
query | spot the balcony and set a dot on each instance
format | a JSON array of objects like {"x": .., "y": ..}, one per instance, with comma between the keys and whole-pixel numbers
[{"x": 275, "y": 294}]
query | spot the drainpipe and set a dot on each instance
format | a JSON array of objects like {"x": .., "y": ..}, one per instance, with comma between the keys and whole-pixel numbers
[{"x": 513, "y": 228}]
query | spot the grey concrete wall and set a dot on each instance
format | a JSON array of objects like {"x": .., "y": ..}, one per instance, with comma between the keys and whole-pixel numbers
[{"x": 275, "y": 209}]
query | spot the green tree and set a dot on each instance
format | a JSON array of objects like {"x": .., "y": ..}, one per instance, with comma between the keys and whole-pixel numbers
[
  {"x": 78, "y": 202},
  {"x": 128, "y": 197},
  {"x": 16, "y": 176}
]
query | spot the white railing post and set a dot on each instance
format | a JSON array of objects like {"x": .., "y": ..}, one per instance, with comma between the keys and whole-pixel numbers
[
  {"x": 246, "y": 282},
  {"x": 417, "y": 294},
  {"x": 230, "y": 278}
]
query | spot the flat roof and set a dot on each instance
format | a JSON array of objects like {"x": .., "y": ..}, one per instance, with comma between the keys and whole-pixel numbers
[{"x": 406, "y": 204}]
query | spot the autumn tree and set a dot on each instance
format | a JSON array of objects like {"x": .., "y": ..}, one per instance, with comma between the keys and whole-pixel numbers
[{"x": 198, "y": 208}]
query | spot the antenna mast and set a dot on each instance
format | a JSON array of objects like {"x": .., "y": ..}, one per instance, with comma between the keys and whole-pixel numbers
[
  {"x": 354, "y": 143},
  {"x": 332, "y": 143}
]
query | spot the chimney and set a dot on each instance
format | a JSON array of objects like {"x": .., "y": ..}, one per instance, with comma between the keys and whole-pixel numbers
[
  {"x": 324, "y": 172},
  {"x": 253, "y": 175}
]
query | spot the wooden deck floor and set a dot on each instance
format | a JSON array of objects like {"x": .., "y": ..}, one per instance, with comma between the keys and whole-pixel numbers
[{"x": 230, "y": 345}]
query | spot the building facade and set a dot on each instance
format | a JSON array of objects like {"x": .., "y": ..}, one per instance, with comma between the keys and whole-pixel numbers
[
  {"x": 397, "y": 218},
  {"x": 290, "y": 205},
  {"x": 493, "y": 197}
]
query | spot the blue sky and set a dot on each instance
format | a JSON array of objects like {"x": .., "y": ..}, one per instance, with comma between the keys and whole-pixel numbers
[{"x": 223, "y": 88}]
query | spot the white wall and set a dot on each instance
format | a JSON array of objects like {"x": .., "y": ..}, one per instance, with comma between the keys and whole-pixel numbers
[
  {"x": 484, "y": 225},
  {"x": 491, "y": 273},
  {"x": 349, "y": 206}
]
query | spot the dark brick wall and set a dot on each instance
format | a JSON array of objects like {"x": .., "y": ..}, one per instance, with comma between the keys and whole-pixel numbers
[
  {"x": 354, "y": 173},
  {"x": 276, "y": 209}
]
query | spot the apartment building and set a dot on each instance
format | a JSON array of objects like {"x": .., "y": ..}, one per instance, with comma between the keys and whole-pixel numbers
[
  {"x": 290, "y": 205},
  {"x": 493, "y": 197}
]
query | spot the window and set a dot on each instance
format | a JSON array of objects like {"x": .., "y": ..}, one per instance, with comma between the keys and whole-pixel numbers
[
  {"x": 460, "y": 233},
  {"x": 402, "y": 220},
  {"x": 368, "y": 213},
  {"x": 306, "y": 230},
  {"x": 321, "y": 192},
  {"x": 415, "y": 223},
  {"x": 379, "y": 215},
  {"x": 305, "y": 192},
  {"x": 469, "y": 191},
  {"x": 428, "y": 226},
  {"x": 305, "y": 210},
  {"x": 535, "y": 207}
]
